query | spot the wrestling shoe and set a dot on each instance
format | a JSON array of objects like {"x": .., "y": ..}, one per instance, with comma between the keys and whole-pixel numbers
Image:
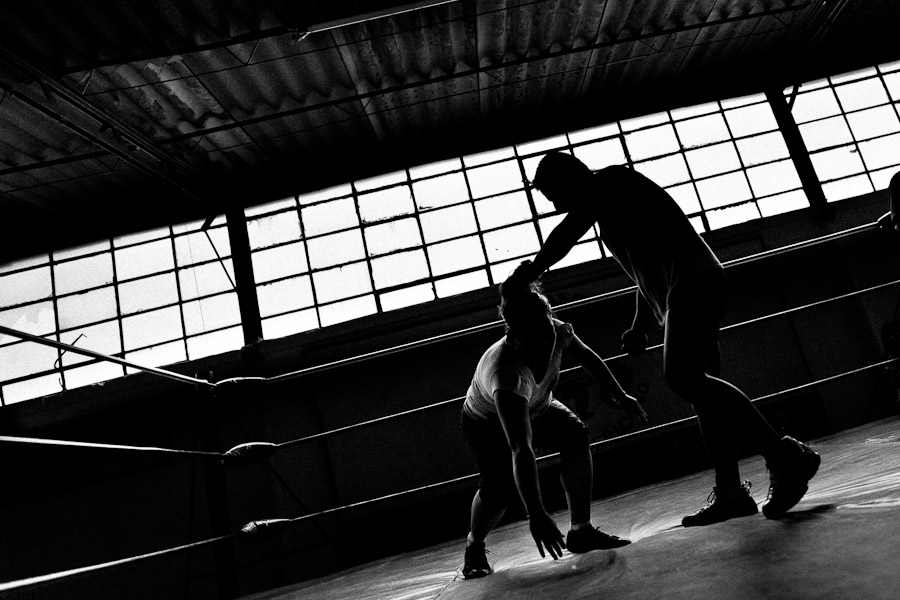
[
  {"x": 591, "y": 538},
  {"x": 789, "y": 476},
  {"x": 475, "y": 564},
  {"x": 721, "y": 506}
]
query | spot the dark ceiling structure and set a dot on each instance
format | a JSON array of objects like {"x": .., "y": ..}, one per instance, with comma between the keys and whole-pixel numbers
[{"x": 118, "y": 116}]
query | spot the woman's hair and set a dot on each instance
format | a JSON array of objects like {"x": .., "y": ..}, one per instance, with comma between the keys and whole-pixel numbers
[{"x": 522, "y": 306}]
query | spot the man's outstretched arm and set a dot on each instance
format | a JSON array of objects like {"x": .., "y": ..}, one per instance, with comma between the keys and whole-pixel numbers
[{"x": 563, "y": 237}]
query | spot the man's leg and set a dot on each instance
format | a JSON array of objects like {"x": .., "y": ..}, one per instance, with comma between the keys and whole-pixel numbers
[{"x": 690, "y": 348}]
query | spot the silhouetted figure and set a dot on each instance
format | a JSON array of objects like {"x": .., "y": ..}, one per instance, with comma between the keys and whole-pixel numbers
[
  {"x": 509, "y": 410},
  {"x": 681, "y": 285}
]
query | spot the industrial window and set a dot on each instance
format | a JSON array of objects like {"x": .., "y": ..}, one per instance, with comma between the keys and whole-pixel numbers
[
  {"x": 850, "y": 126},
  {"x": 154, "y": 298},
  {"x": 423, "y": 233}
]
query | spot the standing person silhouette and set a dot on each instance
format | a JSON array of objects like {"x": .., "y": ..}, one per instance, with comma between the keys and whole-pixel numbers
[
  {"x": 510, "y": 409},
  {"x": 682, "y": 285}
]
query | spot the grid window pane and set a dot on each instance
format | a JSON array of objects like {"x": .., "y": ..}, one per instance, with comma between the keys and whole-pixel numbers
[
  {"x": 892, "y": 81},
  {"x": 91, "y": 374},
  {"x": 762, "y": 148},
  {"x": 269, "y": 207},
  {"x": 460, "y": 284},
  {"x": 732, "y": 215},
  {"x": 713, "y": 160},
  {"x": 666, "y": 171},
  {"x": 503, "y": 210},
  {"x": 25, "y": 286},
  {"x": 579, "y": 254},
  {"x": 205, "y": 280},
  {"x": 686, "y": 197},
  {"x": 392, "y": 202},
  {"x": 544, "y": 145},
  {"x": 157, "y": 356},
  {"x": 103, "y": 337},
  {"x": 444, "y": 166},
  {"x": 335, "y": 249},
  {"x": 482, "y": 158},
  {"x": 285, "y": 325},
  {"x": 338, "y": 191},
  {"x": 140, "y": 237},
  {"x": 749, "y": 120},
  {"x": 217, "y": 342},
  {"x": 83, "y": 273},
  {"x": 815, "y": 105},
  {"x": 847, "y": 188},
  {"x": 418, "y": 294},
  {"x": 342, "y": 282},
  {"x": 36, "y": 319},
  {"x": 594, "y": 133},
  {"x": 146, "y": 259},
  {"x": 380, "y": 181},
  {"x": 827, "y": 132},
  {"x": 90, "y": 307},
  {"x": 773, "y": 178},
  {"x": 861, "y": 94},
  {"x": 782, "y": 203},
  {"x": 211, "y": 313},
  {"x": 648, "y": 143},
  {"x": 455, "y": 255},
  {"x": 441, "y": 191},
  {"x": 31, "y": 388},
  {"x": 688, "y": 112},
  {"x": 196, "y": 247},
  {"x": 26, "y": 358},
  {"x": 397, "y": 269},
  {"x": 273, "y": 230},
  {"x": 839, "y": 162},
  {"x": 286, "y": 295},
  {"x": 511, "y": 242},
  {"x": 723, "y": 190},
  {"x": 347, "y": 310},
  {"x": 601, "y": 154},
  {"x": 329, "y": 217},
  {"x": 391, "y": 236},
  {"x": 147, "y": 293},
  {"x": 882, "y": 178},
  {"x": 873, "y": 122},
  {"x": 644, "y": 121},
  {"x": 702, "y": 131},
  {"x": 150, "y": 328},
  {"x": 447, "y": 223},
  {"x": 541, "y": 204},
  {"x": 94, "y": 248},
  {"x": 278, "y": 262},
  {"x": 495, "y": 179},
  {"x": 881, "y": 152},
  {"x": 25, "y": 263}
]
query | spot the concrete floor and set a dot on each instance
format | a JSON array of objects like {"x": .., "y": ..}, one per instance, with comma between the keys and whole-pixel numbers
[{"x": 840, "y": 542}]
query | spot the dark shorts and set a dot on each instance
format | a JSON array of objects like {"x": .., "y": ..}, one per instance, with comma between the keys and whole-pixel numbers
[{"x": 558, "y": 429}]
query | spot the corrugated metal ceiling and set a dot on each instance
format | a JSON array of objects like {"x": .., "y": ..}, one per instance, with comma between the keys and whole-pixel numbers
[{"x": 119, "y": 116}]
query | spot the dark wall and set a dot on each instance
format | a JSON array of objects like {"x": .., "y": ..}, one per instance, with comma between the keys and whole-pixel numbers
[{"x": 66, "y": 508}]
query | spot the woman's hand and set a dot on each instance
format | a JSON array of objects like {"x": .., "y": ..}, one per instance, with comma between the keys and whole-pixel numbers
[{"x": 546, "y": 534}]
